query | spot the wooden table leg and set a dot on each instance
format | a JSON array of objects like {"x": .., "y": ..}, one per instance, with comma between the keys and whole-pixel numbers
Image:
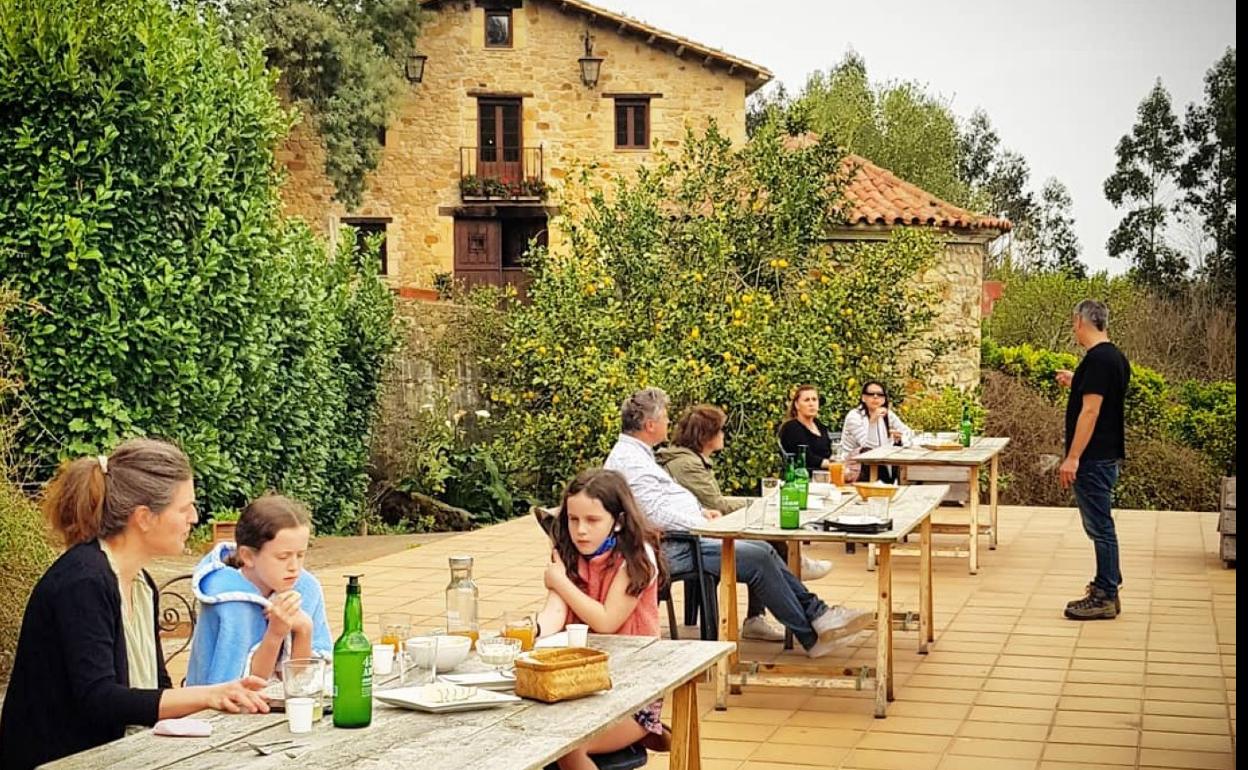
[
  {"x": 992, "y": 502},
  {"x": 795, "y": 566},
  {"x": 729, "y": 630},
  {"x": 686, "y": 742},
  {"x": 874, "y": 473},
  {"x": 925, "y": 584},
  {"x": 883, "y": 631},
  {"x": 973, "y": 480}
]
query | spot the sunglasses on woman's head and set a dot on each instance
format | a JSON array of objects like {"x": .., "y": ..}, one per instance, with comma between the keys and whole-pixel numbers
[{"x": 874, "y": 393}]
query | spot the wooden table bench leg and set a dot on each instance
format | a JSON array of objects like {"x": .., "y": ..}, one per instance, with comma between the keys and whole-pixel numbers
[
  {"x": 992, "y": 502},
  {"x": 925, "y": 584},
  {"x": 795, "y": 566},
  {"x": 686, "y": 741},
  {"x": 729, "y": 629},
  {"x": 973, "y": 480},
  {"x": 883, "y": 631}
]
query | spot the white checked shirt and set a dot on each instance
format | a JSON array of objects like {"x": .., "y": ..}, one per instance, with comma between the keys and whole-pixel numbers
[{"x": 667, "y": 505}]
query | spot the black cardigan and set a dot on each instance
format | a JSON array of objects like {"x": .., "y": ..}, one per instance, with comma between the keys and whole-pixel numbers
[
  {"x": 69, "y": 690},
  {"x": 818, "y": 448}
]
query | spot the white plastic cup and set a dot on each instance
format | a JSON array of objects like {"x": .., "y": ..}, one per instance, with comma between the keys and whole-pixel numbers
[
  {"x": 299, "y": 714},
  {"x": 383, "y": 658},
  {"x": 578, "y": 635}
]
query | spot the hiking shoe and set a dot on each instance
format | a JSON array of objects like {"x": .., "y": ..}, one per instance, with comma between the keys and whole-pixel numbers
[
  {"x": 1095, "y": 606},
  {"x": 1088, "y": 592},
  {"x": 813, "y": 569},
  {"x": 761, "y": 629},
  {"x": 838, "y": 622}
]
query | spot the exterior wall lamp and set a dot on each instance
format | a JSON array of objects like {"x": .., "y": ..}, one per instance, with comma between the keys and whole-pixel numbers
[
  {"x": 591, "y": 66},
  {"x": 414, "y": 67}
]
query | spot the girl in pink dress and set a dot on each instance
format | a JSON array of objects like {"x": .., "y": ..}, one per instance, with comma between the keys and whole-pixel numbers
[{"x": 604, "y": 572}]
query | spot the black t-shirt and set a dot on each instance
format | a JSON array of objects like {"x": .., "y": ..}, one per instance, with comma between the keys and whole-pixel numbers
[
  {"x": 818, "y": 447},
  {"x": 1105, "y": 371}
]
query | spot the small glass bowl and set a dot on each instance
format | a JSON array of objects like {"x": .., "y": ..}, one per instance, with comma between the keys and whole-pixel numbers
[{"x": 498, "y": 651}]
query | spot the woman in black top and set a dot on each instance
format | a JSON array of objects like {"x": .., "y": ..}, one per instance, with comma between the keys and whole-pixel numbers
[
  {"x": 802, "y": 428},
  {"x": 85, "y": 638}
]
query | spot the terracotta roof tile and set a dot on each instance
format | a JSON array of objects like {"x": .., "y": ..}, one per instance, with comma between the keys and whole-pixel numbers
[{"x": 876, "y": 196}]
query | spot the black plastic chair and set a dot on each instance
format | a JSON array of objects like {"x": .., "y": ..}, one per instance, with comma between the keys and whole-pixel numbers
[{"x": 701, "y": 603}]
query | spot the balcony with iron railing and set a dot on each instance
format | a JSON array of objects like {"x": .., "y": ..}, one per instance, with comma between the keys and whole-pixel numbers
[{"x": 502, "y": 174}]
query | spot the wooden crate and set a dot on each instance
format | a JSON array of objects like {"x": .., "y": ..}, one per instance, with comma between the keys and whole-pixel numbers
[{"x": 1226, "y": 522}]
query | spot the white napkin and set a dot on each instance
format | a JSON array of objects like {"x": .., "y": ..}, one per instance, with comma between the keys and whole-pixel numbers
[{"x": 183, "y": 728}]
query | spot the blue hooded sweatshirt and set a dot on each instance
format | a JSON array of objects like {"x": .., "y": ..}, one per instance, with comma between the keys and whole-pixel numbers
[{"x": 232, "y": 623}]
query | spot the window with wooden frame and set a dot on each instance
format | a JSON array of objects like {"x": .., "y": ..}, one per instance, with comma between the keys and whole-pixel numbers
[
  {"x": 498, "y": 28},
  {"x": 368, "y": 227},
  {"x": 632, "y": 124}
]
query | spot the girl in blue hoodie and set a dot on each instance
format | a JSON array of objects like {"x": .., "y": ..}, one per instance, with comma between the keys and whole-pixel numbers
[{"x": 259, "y": 605}]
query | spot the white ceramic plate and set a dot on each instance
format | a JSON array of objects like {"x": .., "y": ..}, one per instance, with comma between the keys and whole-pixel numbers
[
  {"x": 486, "y": 680},
  {"x": 554, "y": 640},
  {"x": 857, "y": 520},
  {"x": 422, "y": 699}
]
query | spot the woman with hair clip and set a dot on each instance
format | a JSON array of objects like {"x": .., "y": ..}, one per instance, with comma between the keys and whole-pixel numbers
[
  {"x": 88, "y": 663},
  {"x": 871, "y": 425}
]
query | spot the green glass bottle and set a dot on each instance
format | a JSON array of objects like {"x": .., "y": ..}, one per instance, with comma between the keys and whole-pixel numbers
[
  {"x": 801, "y": 475},
  {"x": 964, "y": 430},
  {"x": 790, "y": 506},
  {"x": 353, "y": 664}
]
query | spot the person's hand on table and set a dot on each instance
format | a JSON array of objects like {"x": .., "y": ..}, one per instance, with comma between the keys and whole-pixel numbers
[
  {"x": 710, "y": 514},
  {"x": 240, "y": 696}
]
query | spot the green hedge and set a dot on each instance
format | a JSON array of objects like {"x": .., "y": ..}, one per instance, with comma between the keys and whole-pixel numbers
[
  {"x": 1199, "y": 415},
  {"x": 140, "y": 216}
]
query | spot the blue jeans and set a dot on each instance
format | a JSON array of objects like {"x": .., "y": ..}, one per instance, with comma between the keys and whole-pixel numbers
[
  {"x": 768, "y": 579},
  {"x": 1094, "y": 494}
]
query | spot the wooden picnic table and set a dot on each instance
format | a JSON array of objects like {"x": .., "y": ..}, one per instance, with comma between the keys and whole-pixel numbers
[
  {"x": 528, "y": 734},
  {"x": 910, "y": 510},
  {"x": 969, "y": 460}
]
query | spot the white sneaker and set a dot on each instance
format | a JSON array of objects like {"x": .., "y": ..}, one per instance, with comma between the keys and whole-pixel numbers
[
  {"x": 822, "y": 647},
  {"x": 813, "y": 569},
  {"x": 839, "y": 622},
  {"x": 761, "y": 629}
]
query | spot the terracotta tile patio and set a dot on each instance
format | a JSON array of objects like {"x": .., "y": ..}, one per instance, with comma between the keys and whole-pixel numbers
[{"x": 1009, "y": 684}]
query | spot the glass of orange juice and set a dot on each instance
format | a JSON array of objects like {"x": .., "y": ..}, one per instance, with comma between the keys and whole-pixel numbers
[
  {"x": 395, "y": 628},
  {"x": 518, "y": 625}
]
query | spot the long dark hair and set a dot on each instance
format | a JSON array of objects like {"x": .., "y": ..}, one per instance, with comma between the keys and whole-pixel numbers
[
  {"x": 611, "y": 490},
  {"x": 862, "y": 404},
  {"x": 263, "y": 518}
]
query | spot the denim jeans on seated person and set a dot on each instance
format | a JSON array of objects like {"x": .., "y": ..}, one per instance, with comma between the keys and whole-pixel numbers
[
  {"x": 1094, "y": 494},
  {"x": 767, "y": 577}
]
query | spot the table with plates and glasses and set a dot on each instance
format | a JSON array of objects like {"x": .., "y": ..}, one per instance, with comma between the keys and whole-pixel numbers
[{"x": 909, "y": 511}]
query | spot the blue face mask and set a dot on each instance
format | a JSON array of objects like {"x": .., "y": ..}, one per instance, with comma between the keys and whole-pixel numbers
[{"x": 607, "y": 545}]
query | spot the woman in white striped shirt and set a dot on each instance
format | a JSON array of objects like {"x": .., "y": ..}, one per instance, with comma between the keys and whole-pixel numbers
[{"x": 871, "y": 425}]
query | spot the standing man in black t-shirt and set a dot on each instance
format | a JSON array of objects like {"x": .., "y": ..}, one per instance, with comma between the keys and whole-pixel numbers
[{"x": 1095, "y": 445}]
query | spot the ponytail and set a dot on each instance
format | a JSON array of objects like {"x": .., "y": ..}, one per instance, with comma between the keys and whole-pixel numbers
[
  {"x": 74, "y": 501},
  {"x": 93, "y": 497}
]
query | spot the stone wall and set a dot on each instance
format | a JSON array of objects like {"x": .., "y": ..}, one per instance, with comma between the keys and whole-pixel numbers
[
  {"x": 420, "y": 169},
  {"x": 957, "y": 279}
]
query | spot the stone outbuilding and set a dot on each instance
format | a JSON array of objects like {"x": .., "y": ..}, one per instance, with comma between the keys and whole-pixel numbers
[{"x": 879, "y": 202}]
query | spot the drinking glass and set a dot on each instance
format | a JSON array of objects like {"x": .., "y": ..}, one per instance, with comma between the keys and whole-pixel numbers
[
  {"x": 878, "y": 507},
  {"x": 418, "y": 663},
  {"x": 821, "y": 477},
  {"x": 519, "y": 625},
  {"x": 770, "y": 486},
  {"x": 395, "y": 628},
  {"x": 499, "y": 651},
  {"x": 305, "y": 678}
]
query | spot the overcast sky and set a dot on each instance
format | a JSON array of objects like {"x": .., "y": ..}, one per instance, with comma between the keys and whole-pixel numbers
[{"x": 1060, "y": 79}]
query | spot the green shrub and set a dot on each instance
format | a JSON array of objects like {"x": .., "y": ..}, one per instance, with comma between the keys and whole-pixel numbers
[
  {"x": 1160, "y": 473},
  {"x": 1200, "y": 416},
  {"x": 940, "y": 410},
  {"x": 140, "y": 211},
  {"x": 706, "y": 275}
]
